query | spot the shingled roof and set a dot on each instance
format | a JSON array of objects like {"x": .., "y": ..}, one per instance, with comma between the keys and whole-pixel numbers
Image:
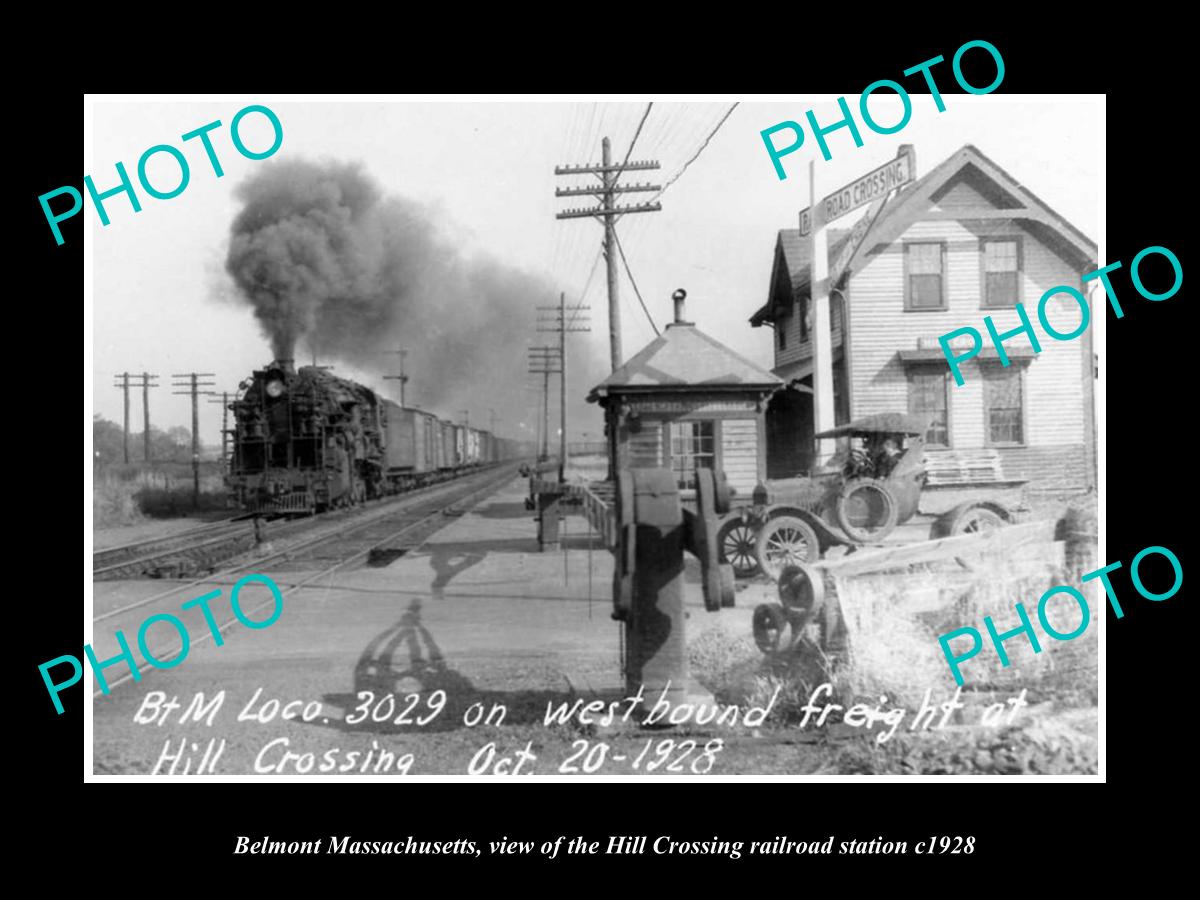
[
  {"x": 685, "y": 357},
  {"x": 793, "y": 252},
  {"x": 910, "y": 203}
]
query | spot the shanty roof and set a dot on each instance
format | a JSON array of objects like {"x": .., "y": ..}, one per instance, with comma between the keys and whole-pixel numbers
[
  {"x": 685, "y": 357},
  {"x": 968, "y": 163}
]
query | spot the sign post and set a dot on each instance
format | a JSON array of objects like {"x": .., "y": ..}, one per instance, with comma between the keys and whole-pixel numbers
[
  {"x": 822, "y": 339},
  {"x": 873, "y": 188}
]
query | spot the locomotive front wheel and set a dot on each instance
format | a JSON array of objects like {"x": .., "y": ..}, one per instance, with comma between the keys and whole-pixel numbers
[
  {"x": 735, "y": 545},
  {"x": 784, "y": 541},
  {"x": 770, "y": 627}
]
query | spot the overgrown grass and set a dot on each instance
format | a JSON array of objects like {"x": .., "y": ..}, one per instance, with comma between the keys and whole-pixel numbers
[{"x": 129, "y": 494}]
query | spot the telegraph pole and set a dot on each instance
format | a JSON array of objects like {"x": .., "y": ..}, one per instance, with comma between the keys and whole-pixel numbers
[
  {"x": 222, "y": 397},
  {"x": 607, "y": 212},
  {"x": 402, "y": 378},
  {"x": 560, "y": 324},
  {"x": 123, "y": 384},
  {"x": 192, "y": 386},
  {"x": 545, "y": 361},
  {"x": 492, "y": 421},
  {"x": 146, "y": 385}
]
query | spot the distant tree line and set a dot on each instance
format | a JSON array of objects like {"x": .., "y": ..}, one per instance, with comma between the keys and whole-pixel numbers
[{"x": 172, "y": 445}]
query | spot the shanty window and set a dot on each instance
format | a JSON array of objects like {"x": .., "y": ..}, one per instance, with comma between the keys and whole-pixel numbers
[
  {"x": 924, "y": 266},
  {"x": 927, "y": 389},
  {"x": 1001, "y": 272},
  {"x": 1002, "y": 403},
  {"x": 693, "y": 446}
]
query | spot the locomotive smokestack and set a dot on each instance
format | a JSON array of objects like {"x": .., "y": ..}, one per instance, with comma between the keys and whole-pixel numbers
[
  {"x": 287, "y": 365},
  {"x": 679, "y": 296}
]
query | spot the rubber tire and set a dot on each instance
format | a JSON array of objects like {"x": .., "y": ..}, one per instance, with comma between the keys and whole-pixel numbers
[
  {"x": 773, "y": 569},
  {"x": 748, "y": 568},
  {"x": 854, "y": 532}
]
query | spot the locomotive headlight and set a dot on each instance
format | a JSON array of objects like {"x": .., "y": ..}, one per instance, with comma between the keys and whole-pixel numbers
[{"x": 274, "y": 388}]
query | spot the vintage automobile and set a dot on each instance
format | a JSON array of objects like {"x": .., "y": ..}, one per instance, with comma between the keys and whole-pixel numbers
[{"x": 871, "y": 485}]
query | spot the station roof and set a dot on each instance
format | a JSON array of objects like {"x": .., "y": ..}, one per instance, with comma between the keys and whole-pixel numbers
[{"x": 683, "y": 358}]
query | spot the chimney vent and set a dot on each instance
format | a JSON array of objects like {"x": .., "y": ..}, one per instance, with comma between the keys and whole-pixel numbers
[{"x": 679, "y": 296}]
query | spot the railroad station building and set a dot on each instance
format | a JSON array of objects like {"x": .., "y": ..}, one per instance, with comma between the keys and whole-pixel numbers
[
  {"x": 962, "y": 242},
  {"x": 686, "y": 401}
]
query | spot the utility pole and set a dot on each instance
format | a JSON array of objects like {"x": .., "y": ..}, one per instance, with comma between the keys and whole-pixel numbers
[
  {"x": 607, "y": 212},
  {"x": 193, "y": 385},
  {"x": 402, "y": 378},
  {"x": 146, "y": 385},
  {"x": 222, "y": 397},
  {"x": 466, "y": 414},
  {"x": 545, "y": 361},
  {"x": 492, "y": 421},
  {"x": 123, "y": 384},
  {"x": 559, "y": 323}
]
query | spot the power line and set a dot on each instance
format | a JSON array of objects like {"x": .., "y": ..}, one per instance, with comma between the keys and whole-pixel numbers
[
  {"x": 636, "y": 134},
  {"x": 696, "y": 155},
  {"x": 633, "y": 281}
]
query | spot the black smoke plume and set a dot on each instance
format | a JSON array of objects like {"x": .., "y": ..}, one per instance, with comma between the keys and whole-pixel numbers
[{"x": 330, "y": 264}]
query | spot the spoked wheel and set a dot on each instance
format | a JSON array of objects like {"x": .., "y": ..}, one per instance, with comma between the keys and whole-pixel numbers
[
  {"x": 735, "y": 545},
  {"x": 784, "y": 541},
  {"x": 968, "y": 518},
  {"x": 770, "y": 627},
  {"x": 978, "y": 520}
]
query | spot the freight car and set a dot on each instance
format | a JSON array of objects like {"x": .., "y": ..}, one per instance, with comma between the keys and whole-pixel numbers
[{"x": 305, "y": 441}]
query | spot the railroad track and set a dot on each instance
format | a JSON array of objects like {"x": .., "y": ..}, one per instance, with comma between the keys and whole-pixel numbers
[
  {"x": 203, "y": 549},
  {"x": 131, "y": 560},
  {"x": 386, "y": 534}
]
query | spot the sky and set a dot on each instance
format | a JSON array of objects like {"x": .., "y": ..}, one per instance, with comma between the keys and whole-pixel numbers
[{"x": 484, "y": 172}]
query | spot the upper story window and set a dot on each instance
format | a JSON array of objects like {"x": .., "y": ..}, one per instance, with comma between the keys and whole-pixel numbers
[
  {"x": 924, "y": 276},
  {"x": 802, "y": 312},
  {"x": 1001, "y": 260},
  {"x": 781, "y": 328}
]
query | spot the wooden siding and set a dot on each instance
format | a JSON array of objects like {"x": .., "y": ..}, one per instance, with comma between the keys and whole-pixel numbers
[
  {"x": 1053, "y": 381},
  {"x": 798, "y": 349},
  {"x": 739, "y": 454}
]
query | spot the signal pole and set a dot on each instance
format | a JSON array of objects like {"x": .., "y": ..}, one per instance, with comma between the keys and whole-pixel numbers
[
  {"x": 222, "y": 397},
  {"x": 123, "y": 384},
  {"x": 193, "y": 385},
  {"x": 402, "y": 378},
  {"x": 146, "y": 385},
  {"x": 606, "y": 211},
  {"x": 545, "y": 361},
  {"x": 560, "y": 324}
]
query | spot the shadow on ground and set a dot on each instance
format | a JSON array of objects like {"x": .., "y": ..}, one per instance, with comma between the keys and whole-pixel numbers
[{"x": 413, "y": 688}]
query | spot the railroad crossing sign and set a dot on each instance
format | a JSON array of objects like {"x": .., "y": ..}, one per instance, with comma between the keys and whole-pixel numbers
[{"x": 871, "y": 187}]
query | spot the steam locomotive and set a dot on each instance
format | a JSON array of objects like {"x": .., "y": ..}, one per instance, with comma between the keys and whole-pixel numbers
[{"x": 306, "y": 441}]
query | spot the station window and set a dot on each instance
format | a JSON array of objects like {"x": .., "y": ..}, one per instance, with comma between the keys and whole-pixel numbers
[
  {"x": 693, "y": 446},
  {"x": 1001, "y": 261},
  {"x": 924, "y": 266},
  {"x": 927, "y": 391},
  {"x": 781, "y": 328},
  {"x": 1003, "y": 404}
]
